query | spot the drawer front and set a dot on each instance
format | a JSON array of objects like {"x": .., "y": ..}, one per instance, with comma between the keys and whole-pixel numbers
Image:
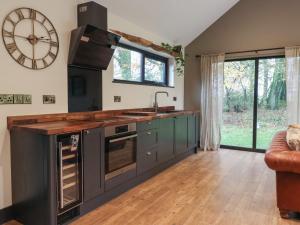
[
  {"x": 147, "y": 159},
  {"x": 147, "y": 125},
  {"x": 147, "y": 139}
]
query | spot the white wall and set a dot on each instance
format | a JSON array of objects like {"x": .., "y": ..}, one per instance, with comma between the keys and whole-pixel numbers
[
  {"x": 136, "y": 95},
  {"x": 53, "y": 80}
]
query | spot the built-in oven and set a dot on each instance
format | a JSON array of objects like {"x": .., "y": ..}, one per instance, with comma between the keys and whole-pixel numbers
[{"x": 120, "y": 153}]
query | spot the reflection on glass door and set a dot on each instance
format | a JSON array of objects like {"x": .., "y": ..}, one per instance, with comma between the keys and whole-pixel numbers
[
  {"x": 237, "y": 129},
  {"x": 254, "y": 103},
  {"x": 271, "y": 109}
]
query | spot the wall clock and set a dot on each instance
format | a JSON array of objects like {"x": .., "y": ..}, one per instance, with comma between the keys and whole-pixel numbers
[{"x": 30, "y": 38}]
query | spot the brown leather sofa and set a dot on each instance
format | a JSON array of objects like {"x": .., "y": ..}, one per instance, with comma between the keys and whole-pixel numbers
[{"x": 286, "y": 163}]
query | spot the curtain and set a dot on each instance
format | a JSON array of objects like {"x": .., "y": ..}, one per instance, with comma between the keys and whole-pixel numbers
[
  {"x": 212, "y": 69},
  {"x": 292, "y": 55}
]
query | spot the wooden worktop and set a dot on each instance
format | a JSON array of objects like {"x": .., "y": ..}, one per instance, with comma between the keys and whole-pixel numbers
[{"x": 49, "y": 124}]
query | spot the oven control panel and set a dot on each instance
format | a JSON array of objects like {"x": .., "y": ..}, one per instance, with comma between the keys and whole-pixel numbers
[{"x": 119, "y": 129}]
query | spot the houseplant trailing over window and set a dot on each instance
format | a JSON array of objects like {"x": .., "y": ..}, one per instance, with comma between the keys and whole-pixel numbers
[{"x": 179, "y": 59}]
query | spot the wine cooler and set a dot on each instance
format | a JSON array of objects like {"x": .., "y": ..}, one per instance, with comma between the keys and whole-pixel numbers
[{"x": 69, "y": 168}]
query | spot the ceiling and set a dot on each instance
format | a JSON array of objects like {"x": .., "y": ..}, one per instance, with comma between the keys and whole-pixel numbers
[{"x": 180, "y": 21}]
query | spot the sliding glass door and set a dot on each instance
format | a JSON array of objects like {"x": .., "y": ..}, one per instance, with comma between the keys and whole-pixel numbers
[
  {"x": 271, "y": 103},
  {"x": 238, "y": 99},
  {"x": 254, "y": 106}
]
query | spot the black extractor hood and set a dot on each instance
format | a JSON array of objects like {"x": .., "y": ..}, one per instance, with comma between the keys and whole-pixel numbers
[{"x": 91, "y": 45}]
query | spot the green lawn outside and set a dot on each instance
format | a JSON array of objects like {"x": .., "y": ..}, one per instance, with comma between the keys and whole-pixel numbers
[{"x": 242, "y": 136}]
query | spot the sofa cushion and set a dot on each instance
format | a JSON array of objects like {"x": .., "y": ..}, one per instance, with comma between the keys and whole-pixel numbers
[
  {"x": 280, "y": 157},
  {"x": 293, "y": 137}
]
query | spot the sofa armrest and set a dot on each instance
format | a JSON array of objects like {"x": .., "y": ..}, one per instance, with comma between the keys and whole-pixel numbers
[
  {"x": 284, "y": 161},
  {"x": 280, "y": 157}
]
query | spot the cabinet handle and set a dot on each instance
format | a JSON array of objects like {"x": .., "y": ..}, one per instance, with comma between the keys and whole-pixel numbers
[
  {"x": 61, "y": 175},
  {"x": 149, "y": 153},
  {"x": 149, "y": 133},
  {"x": 87, "y": 132}
]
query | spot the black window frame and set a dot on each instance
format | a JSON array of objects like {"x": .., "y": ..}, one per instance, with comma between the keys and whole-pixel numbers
[{"x": 148, "y": 55}]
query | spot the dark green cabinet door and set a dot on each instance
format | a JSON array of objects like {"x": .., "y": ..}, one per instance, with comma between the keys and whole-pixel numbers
[
  {"x": 93, "y": 163},
  {"x": 192, "y": 126},
  {"x": 181, "y": 134},
  {"x": 166, "y": 140}
]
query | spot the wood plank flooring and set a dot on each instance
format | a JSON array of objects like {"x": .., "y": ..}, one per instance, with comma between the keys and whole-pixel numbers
[{"x": 212, "y": 188}]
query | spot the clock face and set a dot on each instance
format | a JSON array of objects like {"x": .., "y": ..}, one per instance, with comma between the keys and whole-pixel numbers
[{"x": 30, "y": 38}]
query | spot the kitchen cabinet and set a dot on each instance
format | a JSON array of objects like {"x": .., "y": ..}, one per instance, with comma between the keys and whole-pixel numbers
[
  {"x": 192, "y": 128},
  {"x": 93, "y": 163},
  {"x": 147, "y": 146},
  {"x": 181, "y": 134},
  {"x": 166, "y": 140},
  {"x": 41, "y": 161},
  {"x": 147, "y": 125},
  {"x": 34, "y": 178}
]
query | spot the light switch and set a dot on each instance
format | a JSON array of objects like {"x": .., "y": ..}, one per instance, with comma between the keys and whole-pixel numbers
[
  {"x": 48, "y": 99},
  {"x": 27, "y": 99},
  {"x": 18, "y": 99},
  {"x": 117, "y": 98}
]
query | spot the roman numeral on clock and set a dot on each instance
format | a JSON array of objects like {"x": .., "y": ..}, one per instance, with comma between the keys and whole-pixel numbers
[
  {"x": 34, "y": 65},
  {"x": 11, "y": 21},
  {"x": 52, "y": 55},
  {"x": 45, "y": 63},
  {"x": 43, "y": 20},
  {"x": 7, "y": 34},
  {"x": 20, "y": 14},
  {"x": 12, "y": 47},
  {"x": 21, "y": 59},
  {"x": 32, "y": 14},
  {"x": 53, "y": 44}
]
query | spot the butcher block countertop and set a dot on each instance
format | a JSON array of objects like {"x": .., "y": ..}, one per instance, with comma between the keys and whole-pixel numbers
[{"x": 49, "y": 124}]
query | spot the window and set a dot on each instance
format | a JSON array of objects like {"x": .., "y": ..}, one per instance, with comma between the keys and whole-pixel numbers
[
  {"x": 155, "y": 70},
  {"x": 127, "y": 65},
  {"x": 132, "y": 65},
  {"x": 254, "y": 102}
]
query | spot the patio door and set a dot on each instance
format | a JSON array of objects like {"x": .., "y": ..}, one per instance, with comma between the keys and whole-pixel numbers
[{"x": 254, "y": 106}]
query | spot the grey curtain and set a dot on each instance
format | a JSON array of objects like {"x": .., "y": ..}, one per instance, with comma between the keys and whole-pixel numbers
[{"x": 212, "y": 72}]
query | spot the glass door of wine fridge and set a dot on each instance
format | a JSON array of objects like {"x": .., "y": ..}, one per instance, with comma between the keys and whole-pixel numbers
[{"x": 69, "y": 171}]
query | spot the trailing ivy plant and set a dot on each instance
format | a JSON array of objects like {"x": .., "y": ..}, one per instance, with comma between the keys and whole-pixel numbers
[{"x": 178, "y": 59}]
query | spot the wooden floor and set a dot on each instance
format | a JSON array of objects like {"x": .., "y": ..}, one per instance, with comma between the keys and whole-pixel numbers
[{"x": 225, "y": 188}]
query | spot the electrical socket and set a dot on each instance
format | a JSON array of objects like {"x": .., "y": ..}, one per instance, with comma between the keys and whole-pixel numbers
[
  {"x": 14, "y": 99},
  {"x": 18, "y": 99},
  {"x": 27, "y": 99},
  {"x": 8, "y": 99},
  {"x": 2, "y": 99}
]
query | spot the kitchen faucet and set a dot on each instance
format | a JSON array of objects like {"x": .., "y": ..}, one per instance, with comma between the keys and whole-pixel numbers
[{"x": 155, "y": 102}]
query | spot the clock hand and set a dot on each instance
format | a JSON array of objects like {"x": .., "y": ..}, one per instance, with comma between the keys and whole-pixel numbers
[
  {"x": 20, "y": 36},
  {"x": 43, "y": 38},
  {"x": 52, "y": 43},
  {"x": 44, "y": 41}
]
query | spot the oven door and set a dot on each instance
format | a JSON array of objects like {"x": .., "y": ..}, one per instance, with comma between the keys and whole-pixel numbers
[{"x": 120, "y": 154}]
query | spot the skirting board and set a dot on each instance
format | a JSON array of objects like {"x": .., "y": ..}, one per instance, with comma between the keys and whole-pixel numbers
[{"x": 6, "y": 214}]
